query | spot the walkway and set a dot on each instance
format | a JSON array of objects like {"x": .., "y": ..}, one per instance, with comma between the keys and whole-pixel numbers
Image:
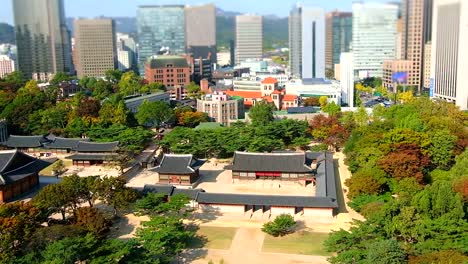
[{"x": 246, "y": 248}]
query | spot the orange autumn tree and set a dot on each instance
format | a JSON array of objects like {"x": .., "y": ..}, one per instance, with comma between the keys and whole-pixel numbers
[{"x": 405, "y": 161}]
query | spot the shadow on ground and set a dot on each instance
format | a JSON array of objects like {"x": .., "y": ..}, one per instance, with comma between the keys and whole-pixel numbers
[
  {"x": 339, "y": 191},
  {"x": 206, "y": 216}
]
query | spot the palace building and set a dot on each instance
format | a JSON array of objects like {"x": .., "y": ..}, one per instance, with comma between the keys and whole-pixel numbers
[
  {"x": 19, "y": 173},
  {"x": 285, "y": 166},
  {"x": 178, "y": 169}
]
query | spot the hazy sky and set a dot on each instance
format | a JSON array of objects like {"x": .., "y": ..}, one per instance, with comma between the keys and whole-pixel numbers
[{"x": 94, "y": 8}]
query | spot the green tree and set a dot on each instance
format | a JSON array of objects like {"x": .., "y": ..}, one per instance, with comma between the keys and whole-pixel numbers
[
  {"x": 261, "y": 113},
  {"x": 441, "y": 148},
  {"x": 153, "y": 87},
  {"x": 193, "y": 90},
  {"x": 332, "y": 109},
  {"x": 129, "y": 83},
  {"x": 58, "y": 167},
  {"x": 60, "y": 77},
  {"x": 386, "y": 252},
  {"x": 154, "y": 114},
  {"x": 163, "y": 238},
  {"x": 281, "y": 226},
  {"x": 323, "y": 100},
  {"x": 113, "y": 76},
  {"x": 113, "y": 192}
]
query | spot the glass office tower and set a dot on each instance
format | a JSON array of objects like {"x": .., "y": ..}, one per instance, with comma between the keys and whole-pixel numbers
[
  {"x": 161, "y": 29},
  {"x": 374, "y": 37},
  {"x": 339, "y": 35},
  {"x": 42, "y": 38}
]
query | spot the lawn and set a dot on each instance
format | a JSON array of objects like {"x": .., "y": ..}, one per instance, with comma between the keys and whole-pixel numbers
[
  {"x": 305, "y": 243},
  {"x": 214, "y": 237},
  {"x": 48, "y": 171}
]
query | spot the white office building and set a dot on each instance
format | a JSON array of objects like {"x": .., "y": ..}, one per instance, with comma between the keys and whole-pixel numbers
[
  {"x": 347, "y": 78},
  {"x": 449, "y": 63},
  {"x": 124, "y": 60},
  {"x": 249, "y": 38},
  {"x": 315, "y": 88},
  {"x": 7, "y": 65},
  {"x": 307, "y": 42},
  {"x": 374, "y": 37}
]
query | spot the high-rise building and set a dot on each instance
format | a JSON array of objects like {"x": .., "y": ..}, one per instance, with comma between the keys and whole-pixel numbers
[
  {"x": 124, "y": 60},
  {"x": 42, "y": 37},
  {"x": 414, "y": 38},
  {"x": 170, "y": 70},
  {"x": 7, "y": 65},
  {"x": 200, "y": 29},
  {"x": 374, "y": 34},
  {"x": 449, "y": 66},
  {"x": 307, "y": 42},
  {"x": 161, "y": 30},
  {"x": 427, "y": 65},
  {"x": 95, "y": 47},
  {"x": 339, "y": 35},
  {"x": 232, "y": 52},
  {"x": 391, "y": 70},
  {"x": 126, "y": 46},
  {"x": 249, "y": 38},
  {"x": 347, "y": 78}
]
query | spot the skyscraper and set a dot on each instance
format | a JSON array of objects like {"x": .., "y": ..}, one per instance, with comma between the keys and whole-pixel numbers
[
  {"x": 374, "y": 35},
  {"x": 42, "y": 37},
  {"x": 347, "y": 78},
  {"x": 249, "y": 38},
  {"x": 95, "y": 47},
  {"x": 201, "y": 31},
  {"x": 339, "y": 35},
  {"x": 414, "y": 37},
  {"x": 449, "y": 66},
  {"x": 161, "y": 29},
  {"x": 307, "y": 42}
]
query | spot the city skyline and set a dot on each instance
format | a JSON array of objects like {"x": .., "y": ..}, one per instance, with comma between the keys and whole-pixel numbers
[{"x": 127, "y": 8}]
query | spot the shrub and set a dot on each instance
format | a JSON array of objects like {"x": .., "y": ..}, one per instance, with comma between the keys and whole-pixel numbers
[
  {"x": 360, "y": 201},
  {"x": 282, "y": 225},
  {"x": 319, "y": 147},
  {"x": 92, "y": 220},
  {"x": 440, "y": 257}
]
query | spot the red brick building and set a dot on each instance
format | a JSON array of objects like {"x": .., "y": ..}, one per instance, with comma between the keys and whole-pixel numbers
[{"x": 172, "y": 71}]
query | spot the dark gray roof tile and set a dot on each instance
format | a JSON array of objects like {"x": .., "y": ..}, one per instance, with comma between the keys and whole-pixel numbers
[
  {"x": 178, "y": 164},
  {"x": 270, "y": 162},
  {"x": 97, "y": 146}
]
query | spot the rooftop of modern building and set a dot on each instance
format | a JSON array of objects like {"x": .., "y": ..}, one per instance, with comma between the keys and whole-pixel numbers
[
  {"x": 162, "y": 61},
  {"x": 136, "y": 98}
]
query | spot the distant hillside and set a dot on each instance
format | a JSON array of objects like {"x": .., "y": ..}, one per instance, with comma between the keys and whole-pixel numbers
[
  {"x": 275, "y": 31},
  {"x": 7, "y": 33},
  {"x": 122, "y": 24}
]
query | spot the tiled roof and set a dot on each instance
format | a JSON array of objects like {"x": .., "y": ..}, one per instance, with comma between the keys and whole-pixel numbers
[
  {"x": 25, "y": 141},
  {"x": 245, "y": 94},
  {"x": 171, "y": 190},
  {"x": 97, "y": 147},
  {"x": 65, "y": 143},
  {"x": 178, "y": 164},
  {"x": 289, "y": 97},
  {"x": 268, "y": 99},
  {"x": 276, "y": 92},
  {"x": 270, "y": 80},
  {"x": 270, "y": 162},
  {"x": 15, "y": 165},
  {"x": 266, "y": 200}
]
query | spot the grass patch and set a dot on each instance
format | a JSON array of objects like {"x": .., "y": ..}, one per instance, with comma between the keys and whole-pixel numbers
[
  {"x": 214, "y": 237},
  {"x": 48, "y": 171},
  {"x": 303, "y": 242}
]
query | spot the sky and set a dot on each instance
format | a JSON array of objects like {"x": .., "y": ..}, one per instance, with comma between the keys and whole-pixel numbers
[{"x": 95, "y": 8}]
